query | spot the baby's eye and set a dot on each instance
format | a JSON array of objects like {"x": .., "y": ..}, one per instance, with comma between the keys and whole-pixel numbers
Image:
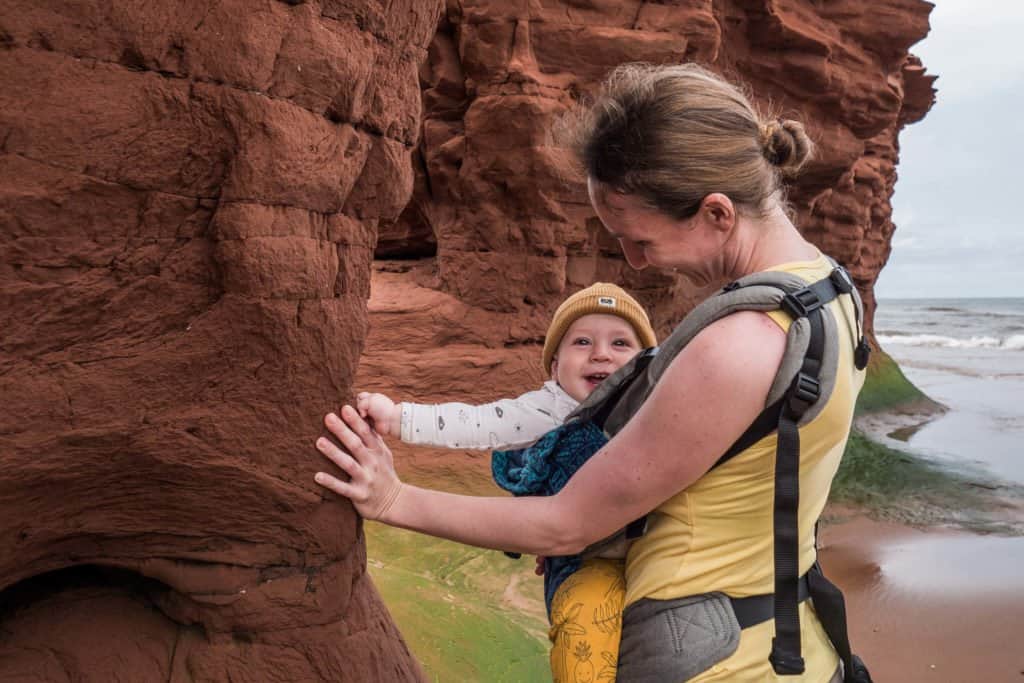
[
  {"x": 581, "y": 341},
  {"x": 622, "y": 342}
]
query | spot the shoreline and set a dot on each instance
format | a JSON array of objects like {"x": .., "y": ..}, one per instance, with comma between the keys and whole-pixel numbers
[
  {"x": 923, "y": 604},
  {"x": 926, "y": 550},
  {"x": 888, "y": 478}
]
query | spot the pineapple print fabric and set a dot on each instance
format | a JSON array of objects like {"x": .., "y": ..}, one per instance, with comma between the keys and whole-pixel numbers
[{"x": 586, "y": 623}]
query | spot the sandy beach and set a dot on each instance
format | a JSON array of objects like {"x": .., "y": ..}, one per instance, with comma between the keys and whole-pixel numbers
[{"x": 930, "y": 605}]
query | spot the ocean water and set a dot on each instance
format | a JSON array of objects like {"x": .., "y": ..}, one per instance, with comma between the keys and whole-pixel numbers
[{"x": 969, "y": 355}]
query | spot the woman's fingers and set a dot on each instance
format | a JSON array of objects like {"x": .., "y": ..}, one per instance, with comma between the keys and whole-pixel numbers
[
  {"x": 334, "y": 484},
  {"x": 352, "y": 442},
  {"x": 346, "y": 462},
  {"x": 373, "y": 486},
  {"x": 358, "y": 425}
]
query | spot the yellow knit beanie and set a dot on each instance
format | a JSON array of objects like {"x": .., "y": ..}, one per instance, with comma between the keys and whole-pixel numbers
[{"x": 602, "y": 298}]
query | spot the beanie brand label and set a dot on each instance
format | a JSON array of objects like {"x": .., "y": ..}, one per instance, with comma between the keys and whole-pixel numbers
[{"x": 606, "y": 301}]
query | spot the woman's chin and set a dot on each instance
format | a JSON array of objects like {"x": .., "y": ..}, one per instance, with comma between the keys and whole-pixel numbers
[{"x": 698, "y": 280}]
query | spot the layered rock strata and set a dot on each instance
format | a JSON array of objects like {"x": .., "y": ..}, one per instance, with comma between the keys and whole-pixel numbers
[
  {"x": 189, "y": 204},
  {"x": 513, "y": 229}
]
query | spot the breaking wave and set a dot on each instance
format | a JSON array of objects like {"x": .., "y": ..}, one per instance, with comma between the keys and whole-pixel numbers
[{"x": 1012, "y": 343}]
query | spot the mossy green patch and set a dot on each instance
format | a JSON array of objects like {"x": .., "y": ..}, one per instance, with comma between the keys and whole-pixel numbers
[
  {"x": 887, "y": 388},
  {"x": 896, "y": 485}
]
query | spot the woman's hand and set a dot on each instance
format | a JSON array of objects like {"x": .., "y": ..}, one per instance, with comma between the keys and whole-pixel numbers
[{"x": 373, "y": 485}]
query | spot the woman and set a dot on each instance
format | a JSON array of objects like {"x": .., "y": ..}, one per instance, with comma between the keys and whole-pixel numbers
[{"x": 686, "y": 175}]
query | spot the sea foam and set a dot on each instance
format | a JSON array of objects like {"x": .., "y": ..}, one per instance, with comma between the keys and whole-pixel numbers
[{"x": 1012, "y": 343}]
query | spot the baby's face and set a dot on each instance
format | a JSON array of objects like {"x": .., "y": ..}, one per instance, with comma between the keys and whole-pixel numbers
[{"x": 593, "y": 347}]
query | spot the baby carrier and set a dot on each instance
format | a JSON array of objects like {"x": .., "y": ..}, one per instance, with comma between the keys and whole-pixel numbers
[{"x": 801, "y": 389}]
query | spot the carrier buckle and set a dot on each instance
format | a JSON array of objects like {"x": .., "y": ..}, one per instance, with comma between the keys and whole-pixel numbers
[
  {"x": 803, "y": 393},
  {"x": 800, "y": 303}
]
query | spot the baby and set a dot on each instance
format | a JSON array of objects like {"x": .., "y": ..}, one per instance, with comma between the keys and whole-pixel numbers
[{"x": 593, "y": 333}]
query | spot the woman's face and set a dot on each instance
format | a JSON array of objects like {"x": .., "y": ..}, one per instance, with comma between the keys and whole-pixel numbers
[{"x": 652, "y": 238}]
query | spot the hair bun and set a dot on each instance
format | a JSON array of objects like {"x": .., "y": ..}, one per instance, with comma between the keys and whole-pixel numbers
[{"x": 785, "y": 144}]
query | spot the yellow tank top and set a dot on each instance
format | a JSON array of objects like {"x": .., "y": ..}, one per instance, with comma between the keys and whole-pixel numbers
[{"x": 717, "y": 534}]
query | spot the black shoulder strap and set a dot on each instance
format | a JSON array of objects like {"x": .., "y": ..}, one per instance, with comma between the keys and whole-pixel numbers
[
  {"x": 830, "y": 607},
  {"x": 786, "y": 657},
  {"x": 805, "y": 391}
]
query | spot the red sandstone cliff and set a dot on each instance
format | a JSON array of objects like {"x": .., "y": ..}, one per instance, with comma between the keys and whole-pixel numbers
[
  {"x": 189, "y": 199},
  {"x": 190, "y": 194},
  {"x": 496, "y": 223}
]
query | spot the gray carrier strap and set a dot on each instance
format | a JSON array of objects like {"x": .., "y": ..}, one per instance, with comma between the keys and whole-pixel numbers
[{"x": 757, "y": 292}]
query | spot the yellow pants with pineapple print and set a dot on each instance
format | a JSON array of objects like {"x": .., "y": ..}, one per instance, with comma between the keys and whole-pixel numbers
[{"x": 586, "y": 623}]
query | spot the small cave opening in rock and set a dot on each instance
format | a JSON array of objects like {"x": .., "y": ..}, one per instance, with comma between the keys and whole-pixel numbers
[
  {"x": 87, "y": 622},
  {"x": 411, "y": 236}
]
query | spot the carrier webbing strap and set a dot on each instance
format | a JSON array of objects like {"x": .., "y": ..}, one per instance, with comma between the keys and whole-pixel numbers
[
  {"x": 830, "y": 607},
  {"x": 805, "y": 391}
]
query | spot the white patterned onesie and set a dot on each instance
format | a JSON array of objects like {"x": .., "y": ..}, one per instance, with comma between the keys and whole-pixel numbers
[{"x": 507, "y": 423}]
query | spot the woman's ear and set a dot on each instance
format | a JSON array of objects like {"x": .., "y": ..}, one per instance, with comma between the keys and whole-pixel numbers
[{"x": 719, "y": 211}]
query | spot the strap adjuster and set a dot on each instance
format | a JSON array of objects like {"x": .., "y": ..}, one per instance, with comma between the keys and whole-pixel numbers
[
  {"x": 800, "y": 303},
  {"x": 805, "y": 389}
]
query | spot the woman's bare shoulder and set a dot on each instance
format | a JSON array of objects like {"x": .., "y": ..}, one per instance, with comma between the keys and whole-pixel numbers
[{"x": 745, "y": 347}]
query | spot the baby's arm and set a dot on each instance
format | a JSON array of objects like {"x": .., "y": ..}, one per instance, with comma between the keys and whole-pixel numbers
[
  {"x": 507, "y": 423},
  {"x": 383, "y": 414}
]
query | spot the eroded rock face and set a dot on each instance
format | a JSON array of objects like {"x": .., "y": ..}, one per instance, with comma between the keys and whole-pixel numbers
[
  {"x": 189, "y": 202},
  {"x": 513, "y": 230},
  {"x": 514, "y": 233}
]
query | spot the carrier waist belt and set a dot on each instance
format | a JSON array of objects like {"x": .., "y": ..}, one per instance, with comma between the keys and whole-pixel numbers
[{"x": 755, "y": 609}]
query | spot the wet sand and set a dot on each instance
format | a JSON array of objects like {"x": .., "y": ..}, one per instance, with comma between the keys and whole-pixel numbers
[{"x": 931, "y": 605}]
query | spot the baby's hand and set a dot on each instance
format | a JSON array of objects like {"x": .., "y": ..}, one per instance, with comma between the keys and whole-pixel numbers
[{"x": 381, "y": 411}]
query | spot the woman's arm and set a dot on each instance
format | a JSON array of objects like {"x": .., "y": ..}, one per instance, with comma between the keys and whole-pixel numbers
[{"x": 707, "y": 397}]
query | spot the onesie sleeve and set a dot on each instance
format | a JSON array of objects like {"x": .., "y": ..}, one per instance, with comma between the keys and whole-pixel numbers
[{"x": 506, "y": 423}]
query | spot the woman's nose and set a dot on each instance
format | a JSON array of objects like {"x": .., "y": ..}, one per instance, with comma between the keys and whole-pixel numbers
[{"x": 634, "y": 254}]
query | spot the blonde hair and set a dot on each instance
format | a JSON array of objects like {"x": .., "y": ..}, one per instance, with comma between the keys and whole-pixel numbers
[{"x": 674, "y": 134}]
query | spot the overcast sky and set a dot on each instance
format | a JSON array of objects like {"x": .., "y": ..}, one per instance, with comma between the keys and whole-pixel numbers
[{"x": 959, "y": 199}]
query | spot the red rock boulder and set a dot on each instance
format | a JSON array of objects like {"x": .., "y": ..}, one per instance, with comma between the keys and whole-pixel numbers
[{"x": 189, "y": 199}]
